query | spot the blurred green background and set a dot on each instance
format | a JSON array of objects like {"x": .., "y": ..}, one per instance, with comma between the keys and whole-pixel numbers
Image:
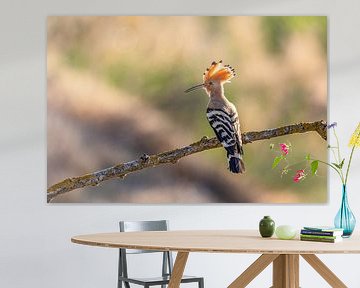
[{"x": 115, "y": 91}]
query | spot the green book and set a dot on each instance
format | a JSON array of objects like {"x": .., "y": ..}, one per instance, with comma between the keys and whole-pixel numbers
[
  {"x": 319, "y": 236},
  {"x": 325, "y": 240}
]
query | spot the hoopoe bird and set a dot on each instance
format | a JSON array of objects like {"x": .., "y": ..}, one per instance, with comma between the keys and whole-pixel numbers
[{"x": 222, "y": 114}]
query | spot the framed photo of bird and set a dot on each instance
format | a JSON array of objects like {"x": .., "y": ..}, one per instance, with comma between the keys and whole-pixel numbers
[{"x": 186, "y": 109}]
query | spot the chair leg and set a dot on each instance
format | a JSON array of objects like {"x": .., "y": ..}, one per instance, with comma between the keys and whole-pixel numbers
[
  {"x": 201, "y": 283},
  {"x": 119, "y": 270}
]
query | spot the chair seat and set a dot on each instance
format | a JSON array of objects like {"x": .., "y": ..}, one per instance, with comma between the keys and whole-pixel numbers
[{"x": 158, "y": 280}]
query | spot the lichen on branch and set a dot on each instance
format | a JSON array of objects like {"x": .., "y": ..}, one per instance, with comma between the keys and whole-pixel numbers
[{"x": 146, "y": 161}]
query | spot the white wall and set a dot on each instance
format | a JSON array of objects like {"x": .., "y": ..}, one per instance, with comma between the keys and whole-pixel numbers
[{"x": 35, "y": 248}]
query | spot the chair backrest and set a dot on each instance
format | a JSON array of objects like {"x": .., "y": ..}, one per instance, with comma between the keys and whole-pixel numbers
[
  {"x": 135, "y": 226},
  {"x": 132, "y": 226}
]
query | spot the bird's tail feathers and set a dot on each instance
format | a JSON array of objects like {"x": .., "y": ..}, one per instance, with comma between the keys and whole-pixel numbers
[{"x": 236, "y": 164}]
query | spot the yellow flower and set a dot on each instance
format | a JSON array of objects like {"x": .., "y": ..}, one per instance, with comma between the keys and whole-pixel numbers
[{"x": 355, "y": 138}]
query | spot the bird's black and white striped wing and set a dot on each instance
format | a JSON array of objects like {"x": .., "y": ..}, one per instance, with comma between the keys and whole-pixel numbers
[
  {"x": 223, "y": 126},
  {"x": 236, "y": 124},
  {"x": 227, "y": 129}
]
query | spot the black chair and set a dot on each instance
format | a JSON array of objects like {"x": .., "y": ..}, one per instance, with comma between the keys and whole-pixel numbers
[{"x": 167, "y": 265}]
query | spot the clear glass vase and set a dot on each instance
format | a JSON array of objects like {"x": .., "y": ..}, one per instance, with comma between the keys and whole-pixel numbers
[{"x": 345, "y": 219}]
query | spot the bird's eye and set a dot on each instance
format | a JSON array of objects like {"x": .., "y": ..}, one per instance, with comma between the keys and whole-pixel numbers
[{"x": 211, "y": 83}]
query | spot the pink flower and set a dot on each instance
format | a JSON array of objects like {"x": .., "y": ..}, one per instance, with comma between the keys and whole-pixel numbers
[
  {"x": 284, "y": 148},
  {"x": 300, "y": 175}
]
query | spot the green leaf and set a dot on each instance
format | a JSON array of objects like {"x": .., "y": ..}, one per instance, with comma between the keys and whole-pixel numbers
[
  {"x": 271, "y": 146},
  {"x": 336, "y": 165},
  {"x": 308, "y": 157},
  {"x": 314, "y": 167},
  {"x": 277, "y": 160},
  {"x": 342, "y": 163}
]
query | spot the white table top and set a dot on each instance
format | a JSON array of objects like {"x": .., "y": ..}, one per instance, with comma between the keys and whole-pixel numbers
[{"x": 217, "y": 241}]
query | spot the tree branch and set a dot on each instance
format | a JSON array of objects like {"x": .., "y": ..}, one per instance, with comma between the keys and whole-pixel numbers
[{"x": 146, "y": 161}]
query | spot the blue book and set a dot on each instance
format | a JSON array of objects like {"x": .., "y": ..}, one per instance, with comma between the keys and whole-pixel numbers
[{"x": 322, "y": 231}]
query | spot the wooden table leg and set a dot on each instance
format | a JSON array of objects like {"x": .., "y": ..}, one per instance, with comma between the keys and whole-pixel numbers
[
  {"x": 253, "y": 270},
  {"x": 293, "y": 261},
  {"x": 324, "y": 271},
  {"x": 178, "y": 270},
  {"x": 286, "y": 271}
]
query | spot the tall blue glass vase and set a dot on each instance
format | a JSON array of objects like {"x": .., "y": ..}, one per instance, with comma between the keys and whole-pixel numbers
[{"x": 345, "y": 219}]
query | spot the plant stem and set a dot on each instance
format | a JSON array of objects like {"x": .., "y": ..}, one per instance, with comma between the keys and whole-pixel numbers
[
  {"x": 332, "y": 166},
  {"x": 351, "y": 155},
  {"x": 295, "y": 164},
  {"x": 337, "y": 144},
  {"x": 339, "y": 160},
  {"x": 348, "y": 167},
  {"x": 333, "y": 152}
]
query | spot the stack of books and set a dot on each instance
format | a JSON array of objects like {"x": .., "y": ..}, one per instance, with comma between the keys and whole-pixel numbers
[{"x": 321, "y": 234}]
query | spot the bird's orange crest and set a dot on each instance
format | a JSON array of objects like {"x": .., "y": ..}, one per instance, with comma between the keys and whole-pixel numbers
[{"x": 217, "y": 71}]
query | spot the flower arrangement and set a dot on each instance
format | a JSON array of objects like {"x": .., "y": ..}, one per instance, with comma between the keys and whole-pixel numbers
[
  {"x": 312, "y": 164},
  {"x": 344, "y": 218}
]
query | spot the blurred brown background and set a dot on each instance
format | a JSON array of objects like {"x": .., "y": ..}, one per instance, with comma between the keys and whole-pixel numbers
[{"x": 115, "y": 91}]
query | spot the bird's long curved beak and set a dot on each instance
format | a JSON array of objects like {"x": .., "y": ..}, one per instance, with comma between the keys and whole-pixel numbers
[{"x": 194, "y": 88}]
